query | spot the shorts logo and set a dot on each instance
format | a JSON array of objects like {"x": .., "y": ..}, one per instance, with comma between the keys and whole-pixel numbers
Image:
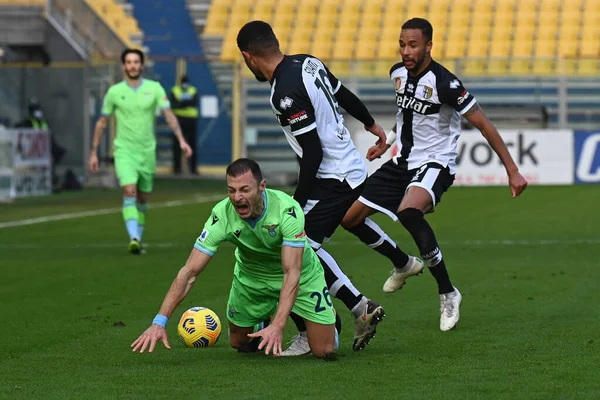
[
  {"x": 418, "y": 173},
  {"x": 231, "y": 312},
  {"x": 203, "y": 235},
  {"x": 427, "y": 92},
  {"x": 286, "y": 102},
  {"x": 397, "y": 83},
  {"x": 271, "y": 229}
]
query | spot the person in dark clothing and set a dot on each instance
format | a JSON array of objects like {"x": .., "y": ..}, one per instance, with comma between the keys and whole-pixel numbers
[{"x": 184, "y": 103}]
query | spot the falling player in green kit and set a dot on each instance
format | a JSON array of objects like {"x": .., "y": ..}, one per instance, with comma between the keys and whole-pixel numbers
[
  {"x": 276, "y": 270},
  {"x": 134, "y": 102}
]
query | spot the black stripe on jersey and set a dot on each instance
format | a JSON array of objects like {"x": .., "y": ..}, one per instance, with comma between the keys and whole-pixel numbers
[
  {"x": 406, "y": 136},
  {"x": 395, "y": 67},
  {"x": 411, "y": 103}
]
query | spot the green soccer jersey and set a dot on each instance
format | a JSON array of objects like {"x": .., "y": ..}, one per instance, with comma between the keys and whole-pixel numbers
[
  {"x": 259, "y": 241},
  {"x": 135, "y": 110}
]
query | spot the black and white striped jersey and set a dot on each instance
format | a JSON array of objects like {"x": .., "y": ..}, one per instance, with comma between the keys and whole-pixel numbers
[
  {"x": 429, "y": 115},
  {"x": 303, "y": 98}
]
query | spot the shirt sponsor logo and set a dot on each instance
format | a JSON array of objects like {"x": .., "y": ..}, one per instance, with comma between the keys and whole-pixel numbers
[
  {"x": 411, "y": 103},
  {"x": 302, "y": 115},
  {"x": 463, "y": 96}
]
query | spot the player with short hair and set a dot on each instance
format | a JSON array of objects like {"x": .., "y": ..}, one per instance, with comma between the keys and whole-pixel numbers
[
  {"x": 276, "y": 271},
  {"x": 305, "y": 98},
  {"x": 431, "y": 101},
  {"x": 134, "y": 102}
]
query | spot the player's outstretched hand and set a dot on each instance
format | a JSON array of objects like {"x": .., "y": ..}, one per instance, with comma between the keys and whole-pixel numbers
[
  {"x": 517, "y": 183},
  {"x": 272, "y": 338},
  {"x": 376, "y": 152},
  {"x": 93, "y": 162},
  {"x": 378, "y": 131},
  {"x": 187, "y": 150},
  {"x": 150, "y": 337}
]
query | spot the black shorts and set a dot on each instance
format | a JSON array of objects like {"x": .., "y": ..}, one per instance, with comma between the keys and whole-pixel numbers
[
  {"x": 328, "y": 203},
  {"x": 386, "y": 187}
]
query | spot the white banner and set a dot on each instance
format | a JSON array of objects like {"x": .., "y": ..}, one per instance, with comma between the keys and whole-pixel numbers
[
  {"x": 544, "y": 157},
  {"x": 25, "y": 163}
]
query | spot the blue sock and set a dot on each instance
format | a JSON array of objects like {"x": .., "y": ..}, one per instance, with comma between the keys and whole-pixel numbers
[{"x": 130, "y": 215}]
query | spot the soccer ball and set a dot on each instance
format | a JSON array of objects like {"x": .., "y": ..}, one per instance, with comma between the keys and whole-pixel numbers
[{"x": 199, "y": 327}]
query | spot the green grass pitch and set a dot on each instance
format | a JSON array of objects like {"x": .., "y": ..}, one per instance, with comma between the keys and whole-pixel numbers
[{"x": 528, "y": 269}]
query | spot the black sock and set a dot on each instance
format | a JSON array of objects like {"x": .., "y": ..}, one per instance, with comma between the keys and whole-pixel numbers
[
  {"x": 373, "y": 236},
  {"x": 298, "y": 321},
  {"x": 414, "y": 222},
  {"x": 338, "y": 283}
]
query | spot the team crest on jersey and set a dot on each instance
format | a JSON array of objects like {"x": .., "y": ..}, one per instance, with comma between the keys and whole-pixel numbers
[
  {"x": 427, "y": 92},
  {"x": 286, "y": 102},
  {"x": 397, "y": 83},
  {"x": 271, "y": 229}
]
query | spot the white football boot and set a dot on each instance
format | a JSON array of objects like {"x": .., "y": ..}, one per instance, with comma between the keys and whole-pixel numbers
[
  {"x": 398, "y": 277},
  {"x": 299, "y": 346},
  {"x": 449, "y": 309}
]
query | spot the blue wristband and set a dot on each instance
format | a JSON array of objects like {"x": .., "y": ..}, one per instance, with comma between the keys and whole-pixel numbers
[{"x": 160, "y": 320}]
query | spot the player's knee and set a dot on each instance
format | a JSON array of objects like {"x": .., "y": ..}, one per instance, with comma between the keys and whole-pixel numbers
[
  {"x": 325, "y": 351},
  {"x": 129, "y": 191},
  {"x": 352, "y": 219},
  {"x": 410, "y": 217},
  {"x": 237, "y": 342}
]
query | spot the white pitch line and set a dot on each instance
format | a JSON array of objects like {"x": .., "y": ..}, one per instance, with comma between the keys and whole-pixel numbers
[
  {"x": 546, "y": 242},
  {"x": 104, "y": 211}
]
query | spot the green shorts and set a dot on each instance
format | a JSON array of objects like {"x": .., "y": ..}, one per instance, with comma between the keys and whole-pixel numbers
[
  {"x": 252, "y": 300},
  {"x": 136, "y": 168}
]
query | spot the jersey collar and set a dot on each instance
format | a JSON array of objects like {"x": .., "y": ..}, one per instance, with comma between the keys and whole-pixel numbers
[
  {"x": 135, "y": 89},
  {"x": 422, "y": 74},
  {"x": 253, "y": 222},
  {"x": 277, "y": 68}
]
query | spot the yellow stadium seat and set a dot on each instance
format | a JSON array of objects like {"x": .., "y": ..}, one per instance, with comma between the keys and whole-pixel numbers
[
  {"x": 499, "y": 48},
  {"x": 349, "y": 18},
  {"x": 588, "y": 67},
  {"x": 394, "y": 8},
  {"x": 343, "y": 50},
  {"x": 501, "y": 33},
  {"x": 545, "y": 48},
  {"x": 543, "y": 67},
  {"x": 497, "y": 66},
  {"x": 591, "y": 6},
  {"x": 567, "y": 67},
  {"x": 439, "y": 22},
  {"x": 590, "y": 48},
  {"x": 341, "y": 69},
  {"x": 345, "y": 34},
  {"x": 388, "y": 49},
  {"x": 479, "y": 33},
  {"x": 551, "y": 5},
  {"x": 322, "y": 49},
  {"x": 473, "y": 67},
  {"x": 216, "y": 23},
  {"x": 365, "y": 50},
  {"x": 522, "y": 47},
  {"x": 505, "y": 6},
  {"x": 416, "y": 9},
  {"x": 519, "y": 67},
  {"x": 547, "y": 32},
  {"x": 437, "y": 52},
  {"x": 503, "y": 18},
  {"x": 381, "y": 69},
  {"x": 527, "y": 6},
  {"x": 568, "y": 47},
  {"x": 478, "y": 47},
  {"x": 369, "y": 33},
  {"x": 298, "y": 46},
  {"x": 570, "y": 18},
  {"x": 372, "y": 19},
  {"x": 454, "y": 49}
]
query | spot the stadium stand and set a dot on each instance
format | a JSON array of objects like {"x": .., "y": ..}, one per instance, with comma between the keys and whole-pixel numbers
[
  {"x": 119, "y": 18},
  {"x": 488, "y": 37}
]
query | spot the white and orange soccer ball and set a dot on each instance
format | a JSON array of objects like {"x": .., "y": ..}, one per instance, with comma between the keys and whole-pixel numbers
[{"x": 199, "y": 327}]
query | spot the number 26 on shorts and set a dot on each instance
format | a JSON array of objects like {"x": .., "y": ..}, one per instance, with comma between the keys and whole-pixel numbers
[{"x": 320, "y": 296}]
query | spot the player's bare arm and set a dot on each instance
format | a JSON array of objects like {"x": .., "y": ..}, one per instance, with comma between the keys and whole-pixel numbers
[
  {"x": 479, "y": 120},
  {"x": 174, "y": 125},
  {"x": 98, "y": 133},
  {"x": 291, "y": 261},
  {"x": 181, "y": 286},
  {"x": 376, "y": 151}
]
